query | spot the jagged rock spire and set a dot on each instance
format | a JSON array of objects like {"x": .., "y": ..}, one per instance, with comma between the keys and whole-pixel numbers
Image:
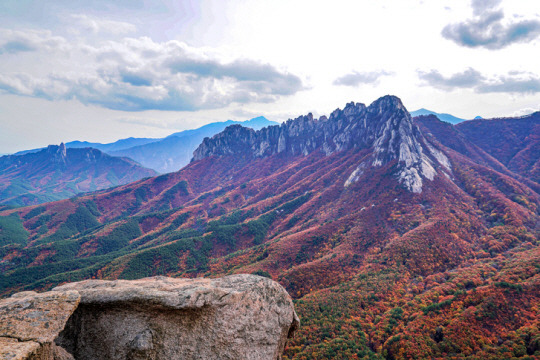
[
  {"x": 385, "y": 126},
  {"x": 59, "y": 153}
]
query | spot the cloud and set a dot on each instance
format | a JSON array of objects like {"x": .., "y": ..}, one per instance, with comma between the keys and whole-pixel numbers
[
  {"x": 244, "y": 113},
  {"x": 136, "y": 74},
  {"x": 256, "y": 77},
  {"x": 486, "y": 28},
  {"x": 526, "y": 111},
  {"x": 148, "y": 122},
  {"x": 466, "y": 79},
  {"x": 357, "y": 78},
  {"x": 528, "y": 84},
  {"x": 96, "y": 25},
  {"x": 481, "y": 6},
  {"x": 14, "y": 41},
  {"x": 514, "y": 82}
]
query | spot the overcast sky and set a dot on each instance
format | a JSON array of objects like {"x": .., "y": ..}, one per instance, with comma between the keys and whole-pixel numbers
[{"x": 103, "y": 70}]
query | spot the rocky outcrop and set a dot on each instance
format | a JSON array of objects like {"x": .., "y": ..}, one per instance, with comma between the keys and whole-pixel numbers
[
  {"x": 234, "y": 317},
  {"x": 29, "y": 323},
  {"x": 385, "y": 126},
  {"x": 58, "y": 154}
]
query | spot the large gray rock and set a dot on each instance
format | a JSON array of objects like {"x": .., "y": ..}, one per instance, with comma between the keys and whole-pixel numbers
[
  {"x": 234, "y": 317},
  {"x": 29, "y": 323}
]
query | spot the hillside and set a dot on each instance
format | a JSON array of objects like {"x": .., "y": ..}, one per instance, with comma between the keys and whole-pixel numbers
[
  {"x": 391, "y": 242},
  {"x": 515, "y": 142},
  {"x": 58, "y": 173}
]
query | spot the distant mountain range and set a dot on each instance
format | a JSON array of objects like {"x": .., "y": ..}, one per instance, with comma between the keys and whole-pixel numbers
[
  {"x": 115, "y": 146},
  {"x": 400, "y": 238},
  {"x": 165, "y": 154},
  {"x": 444, "y": 117},
  {"x": 176, "y": 150},
  {"x": 58, "y": 173}
]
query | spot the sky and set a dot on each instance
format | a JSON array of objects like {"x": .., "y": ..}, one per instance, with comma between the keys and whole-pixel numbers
[{"x": 105, "y": 70}]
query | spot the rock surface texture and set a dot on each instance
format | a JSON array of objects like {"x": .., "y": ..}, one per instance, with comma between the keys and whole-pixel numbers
[
  {"x": 29, "y": 323},
  {"x": 234, "y": 317}
]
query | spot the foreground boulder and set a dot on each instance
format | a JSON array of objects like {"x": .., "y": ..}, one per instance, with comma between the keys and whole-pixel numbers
[
  {"x": 29, "y": 323},
  {"x": 234, "y": 317}
]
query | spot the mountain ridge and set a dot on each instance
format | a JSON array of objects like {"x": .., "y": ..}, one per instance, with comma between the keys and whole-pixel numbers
[
  {"x": 442, "y": 116},
  {"x": 491, "y": 148},
  {"x": 58, "y": 172},
  {"x": 174, "y": 151},
  {"x": 356, "y": 126},
  {"x": 163, "y": 154},
  {"x": 515, "y": 142},
  {"x": 117, "y": 145}
]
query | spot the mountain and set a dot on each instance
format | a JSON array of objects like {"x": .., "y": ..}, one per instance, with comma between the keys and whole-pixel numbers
[
  {"x": 59, "y": 173},
  {"x": 394, "y": 244},
  {"x": 166, "y": 154},
  {"x": 474, "y": 145},
  {"x": 444, "y": 117},
  {"x": 515, "y": 142},
  {"x": 115, "y": 146},
  {"x": 175, "y": 151}
]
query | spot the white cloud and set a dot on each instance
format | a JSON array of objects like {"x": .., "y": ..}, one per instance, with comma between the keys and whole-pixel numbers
[
  {"x": 16, "y": 41},
  {"x": 85, "y": 23},
  {"x": 526, "y": 111},
  {"x": 135, "y": 74},
  {"x": 356, "y": 78},
  {"x": 487, "y": 29},
  {"x": 481, "y": 6},
  {"x": 515, "y": 82},
  {"x": 466, "y": 79}
]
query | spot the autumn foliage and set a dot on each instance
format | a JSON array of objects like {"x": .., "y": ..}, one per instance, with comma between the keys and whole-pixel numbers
[{"x": 376, "y": 271}]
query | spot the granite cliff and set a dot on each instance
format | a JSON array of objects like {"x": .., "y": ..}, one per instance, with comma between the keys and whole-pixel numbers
[{"x": 385, "y": 127}]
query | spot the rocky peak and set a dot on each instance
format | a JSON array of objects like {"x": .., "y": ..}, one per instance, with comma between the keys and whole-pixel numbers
[
  {"x": 385, "y": 126},
  {"x": 394, "y": 132},
  {"x": 58, "y": 153},
  {"x": 234, "y": 139}
]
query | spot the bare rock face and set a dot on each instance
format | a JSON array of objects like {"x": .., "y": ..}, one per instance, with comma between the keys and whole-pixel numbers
[
  {"x": 29, "y": 323},
  {"x": 234, "y": 317},
  {"x": 385, "y": 127}
]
